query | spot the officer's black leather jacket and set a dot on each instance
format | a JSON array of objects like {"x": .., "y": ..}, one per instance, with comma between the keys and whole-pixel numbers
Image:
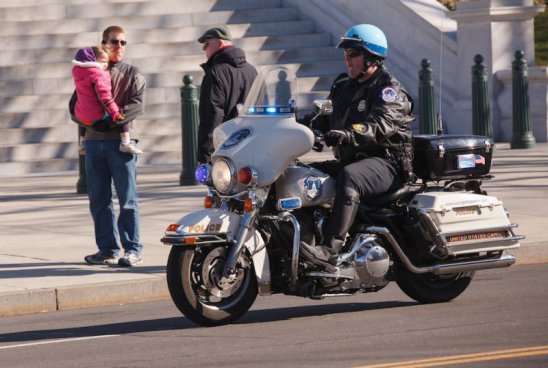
[{"x": 378, "y": 115}]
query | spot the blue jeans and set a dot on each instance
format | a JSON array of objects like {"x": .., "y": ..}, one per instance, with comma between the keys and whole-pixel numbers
[{"x": 106, "y": 164}]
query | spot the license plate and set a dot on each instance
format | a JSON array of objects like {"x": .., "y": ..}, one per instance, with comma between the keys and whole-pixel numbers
[{"x": 466, "y": 161}]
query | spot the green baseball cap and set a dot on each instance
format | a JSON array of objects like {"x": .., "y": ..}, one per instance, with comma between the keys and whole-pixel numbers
[{"x": 220, "y": 32}]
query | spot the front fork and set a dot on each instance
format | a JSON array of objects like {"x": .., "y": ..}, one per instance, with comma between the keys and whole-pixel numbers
[{"x": 248, "y": 219}]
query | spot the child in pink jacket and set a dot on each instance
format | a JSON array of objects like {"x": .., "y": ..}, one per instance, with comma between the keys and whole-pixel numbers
[{"x": 94, "y": 95}]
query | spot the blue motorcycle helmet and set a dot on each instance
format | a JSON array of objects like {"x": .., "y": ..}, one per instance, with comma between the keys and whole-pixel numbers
[{"x": 367, "y": 37}]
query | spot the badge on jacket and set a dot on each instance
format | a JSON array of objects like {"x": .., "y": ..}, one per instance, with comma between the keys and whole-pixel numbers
[
  {"x": 389, "y": 94},
  {"x": 358, "y": 128},
  {"x": 361, "y": 106}
]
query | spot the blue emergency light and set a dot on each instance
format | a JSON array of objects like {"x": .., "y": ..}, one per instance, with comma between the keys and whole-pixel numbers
[
  {"x": 202, "y": 173},
  {"x": 270, "y": 110}
]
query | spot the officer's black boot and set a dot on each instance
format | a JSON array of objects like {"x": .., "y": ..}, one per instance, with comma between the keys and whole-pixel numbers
[{"x": 341, "y": 218}]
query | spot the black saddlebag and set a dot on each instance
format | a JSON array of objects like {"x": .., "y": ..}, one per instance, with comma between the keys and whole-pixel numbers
[{"x": 450, "y": 157}]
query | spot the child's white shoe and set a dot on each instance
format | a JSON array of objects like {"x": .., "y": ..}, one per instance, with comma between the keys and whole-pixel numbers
[{"x": 130, "y": 148}]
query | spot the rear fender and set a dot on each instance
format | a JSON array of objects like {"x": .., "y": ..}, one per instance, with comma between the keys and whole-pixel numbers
[{"x": 215, "y": 225}]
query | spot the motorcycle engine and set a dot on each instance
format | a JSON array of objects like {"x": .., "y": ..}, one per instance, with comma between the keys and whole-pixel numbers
[{"x": 371, "y": 261}]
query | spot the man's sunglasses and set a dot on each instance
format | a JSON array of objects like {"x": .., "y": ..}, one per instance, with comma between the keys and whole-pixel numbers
[
  {"x": 352, "y": 53},
  {"x": 117, "y": 42}
]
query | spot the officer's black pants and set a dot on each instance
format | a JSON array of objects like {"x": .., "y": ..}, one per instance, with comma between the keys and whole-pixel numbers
[{"x": 361, "y": 180}]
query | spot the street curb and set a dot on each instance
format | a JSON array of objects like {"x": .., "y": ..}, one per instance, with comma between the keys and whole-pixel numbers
[
  {"x": 28, "y": 301},
  {"x": 83, "y": 296},
  {"x": 112, "y": 293}
]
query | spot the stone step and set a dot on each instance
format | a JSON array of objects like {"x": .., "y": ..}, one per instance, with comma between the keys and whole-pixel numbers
[
  {"x": 314, "y": 43},
  {"x": 33, "y": 151},
  {"x": 48, "y": 134},
  {"x": 147, "y": 22},
  {"x": 154, "y": 36},
  {"x": 32, "y": 3},
  {"x": 38, "y": 166},
  {"x": 142, "y": 55},
  {"x": 26, "y": 104},
  {"x": 169, "y": 70},
  {"x": 152, "y": 145},
  {"x": 121, "y": 9},
  {"x": 33, "y": 119},
  {"x": 173, "y": 78}
]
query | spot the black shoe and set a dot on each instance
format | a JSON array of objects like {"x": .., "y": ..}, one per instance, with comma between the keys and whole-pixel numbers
[{"x": 321, "y": 254}]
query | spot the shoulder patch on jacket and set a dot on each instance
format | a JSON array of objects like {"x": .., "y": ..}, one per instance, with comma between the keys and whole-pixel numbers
[{"x": 389, "y": 94}]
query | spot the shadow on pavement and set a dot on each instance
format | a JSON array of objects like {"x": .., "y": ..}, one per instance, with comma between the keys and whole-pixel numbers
[
  {"x": 177, "y": 323},
  {"x": 52, "y": 269}
]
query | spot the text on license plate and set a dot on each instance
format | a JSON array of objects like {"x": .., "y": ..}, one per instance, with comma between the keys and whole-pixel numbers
[{"x": 477, "y": 236}]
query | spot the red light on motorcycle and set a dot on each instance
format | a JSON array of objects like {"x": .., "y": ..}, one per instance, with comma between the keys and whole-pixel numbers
[
  {"x": 245, "y": 174},
  {"x": 248, "y": 205},
  {"x": 190, "y": 241},
  {"x": 172, "y": 227},
  {"x": 208, "y": 202}
]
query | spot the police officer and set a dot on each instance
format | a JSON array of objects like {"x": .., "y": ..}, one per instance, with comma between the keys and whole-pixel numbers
[{"x": 369, "y": 132}]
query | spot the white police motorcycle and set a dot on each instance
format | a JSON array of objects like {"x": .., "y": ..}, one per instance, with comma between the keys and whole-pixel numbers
[{"x": 429, "y": 236}]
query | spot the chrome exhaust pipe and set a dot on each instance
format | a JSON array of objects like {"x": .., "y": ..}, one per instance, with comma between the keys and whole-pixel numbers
[
  {"x": 442, "y": 269},
  {"x": 505, "y": 260}
]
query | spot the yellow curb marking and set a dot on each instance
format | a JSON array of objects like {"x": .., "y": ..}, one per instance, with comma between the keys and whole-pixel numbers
[{"x": 466, "y": 358}]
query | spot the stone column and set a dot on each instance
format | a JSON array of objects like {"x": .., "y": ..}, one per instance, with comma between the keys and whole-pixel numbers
[{"x": 494, "y": 29}]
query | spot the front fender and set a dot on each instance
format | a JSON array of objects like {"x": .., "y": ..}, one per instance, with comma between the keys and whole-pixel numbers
[
  {"x": 214, "y": 225},
  {"x": 203, "y": 224}
]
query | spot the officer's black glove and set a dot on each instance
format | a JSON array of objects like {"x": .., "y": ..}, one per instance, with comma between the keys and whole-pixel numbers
[{"x": 337, "y": 137}]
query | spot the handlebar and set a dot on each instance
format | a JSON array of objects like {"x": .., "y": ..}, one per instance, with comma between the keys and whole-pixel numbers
[{"x": 319, "y": 141}]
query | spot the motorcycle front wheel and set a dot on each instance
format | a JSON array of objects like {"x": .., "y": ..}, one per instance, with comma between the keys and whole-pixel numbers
[
  {"x": 201, "y": 294},
  {"x": 430, "y": 288}
]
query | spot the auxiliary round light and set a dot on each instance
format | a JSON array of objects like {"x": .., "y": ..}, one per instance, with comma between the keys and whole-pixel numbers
[{"x": 245, "y": 174}]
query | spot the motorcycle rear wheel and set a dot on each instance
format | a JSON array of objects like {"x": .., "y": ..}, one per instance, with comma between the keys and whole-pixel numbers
[
  {"x": 429, "y": 288},
  {"x": 197, "y": 289}
]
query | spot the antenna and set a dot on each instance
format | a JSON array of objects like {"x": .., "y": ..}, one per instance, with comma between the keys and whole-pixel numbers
[{"x": 440, "y": 120}]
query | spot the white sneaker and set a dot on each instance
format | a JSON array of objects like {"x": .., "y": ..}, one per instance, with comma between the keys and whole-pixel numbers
[
  {"x": 130, "y": 148},
  {"x": 129, "y": 260}
]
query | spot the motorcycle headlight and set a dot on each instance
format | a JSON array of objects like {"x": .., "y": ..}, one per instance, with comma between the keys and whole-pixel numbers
[{"x": 224, "y": 176}]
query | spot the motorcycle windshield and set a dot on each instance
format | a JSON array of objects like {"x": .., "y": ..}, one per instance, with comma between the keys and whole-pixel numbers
[
  {"x": 274, "y": 92},
  {"x": 266, "y": 135}
]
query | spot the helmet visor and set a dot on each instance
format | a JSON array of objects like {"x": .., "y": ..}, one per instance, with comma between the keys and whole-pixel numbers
[{"x": 350, "y": 43}]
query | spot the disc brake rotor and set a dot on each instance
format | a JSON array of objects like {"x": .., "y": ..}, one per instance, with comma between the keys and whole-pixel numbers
[{"x": 212, "y": 271}]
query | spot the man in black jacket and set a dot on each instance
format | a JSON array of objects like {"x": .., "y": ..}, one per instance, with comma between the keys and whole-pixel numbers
[
  {"x": 369, "y": 132},
  {"x": 227, "y": 81}
]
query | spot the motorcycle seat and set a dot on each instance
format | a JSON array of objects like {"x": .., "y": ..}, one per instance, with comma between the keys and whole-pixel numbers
[{"x": 385, "y": 199}]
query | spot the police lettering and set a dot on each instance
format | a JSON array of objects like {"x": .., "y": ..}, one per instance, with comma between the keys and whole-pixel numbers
[{"x": 204, "y": 228}]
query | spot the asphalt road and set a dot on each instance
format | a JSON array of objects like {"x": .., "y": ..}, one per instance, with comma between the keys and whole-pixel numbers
[{"x": 500, "y": 321}]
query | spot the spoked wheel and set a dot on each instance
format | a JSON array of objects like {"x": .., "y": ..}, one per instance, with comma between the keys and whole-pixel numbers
[
  {"x": 430, "y": 288},
  {"x": 200, "y": 292}
]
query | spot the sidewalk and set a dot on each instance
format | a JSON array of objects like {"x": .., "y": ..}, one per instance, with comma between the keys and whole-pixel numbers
[{"x": 46, "y": 229}]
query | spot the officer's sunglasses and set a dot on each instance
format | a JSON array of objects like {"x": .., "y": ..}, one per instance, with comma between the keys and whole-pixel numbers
[
  {"x": 117, "y": 42},
  {"x": 353, "y": 53}
]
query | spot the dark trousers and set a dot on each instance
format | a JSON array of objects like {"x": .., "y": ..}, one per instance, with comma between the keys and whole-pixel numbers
[{"x": 360, "y": 180}]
